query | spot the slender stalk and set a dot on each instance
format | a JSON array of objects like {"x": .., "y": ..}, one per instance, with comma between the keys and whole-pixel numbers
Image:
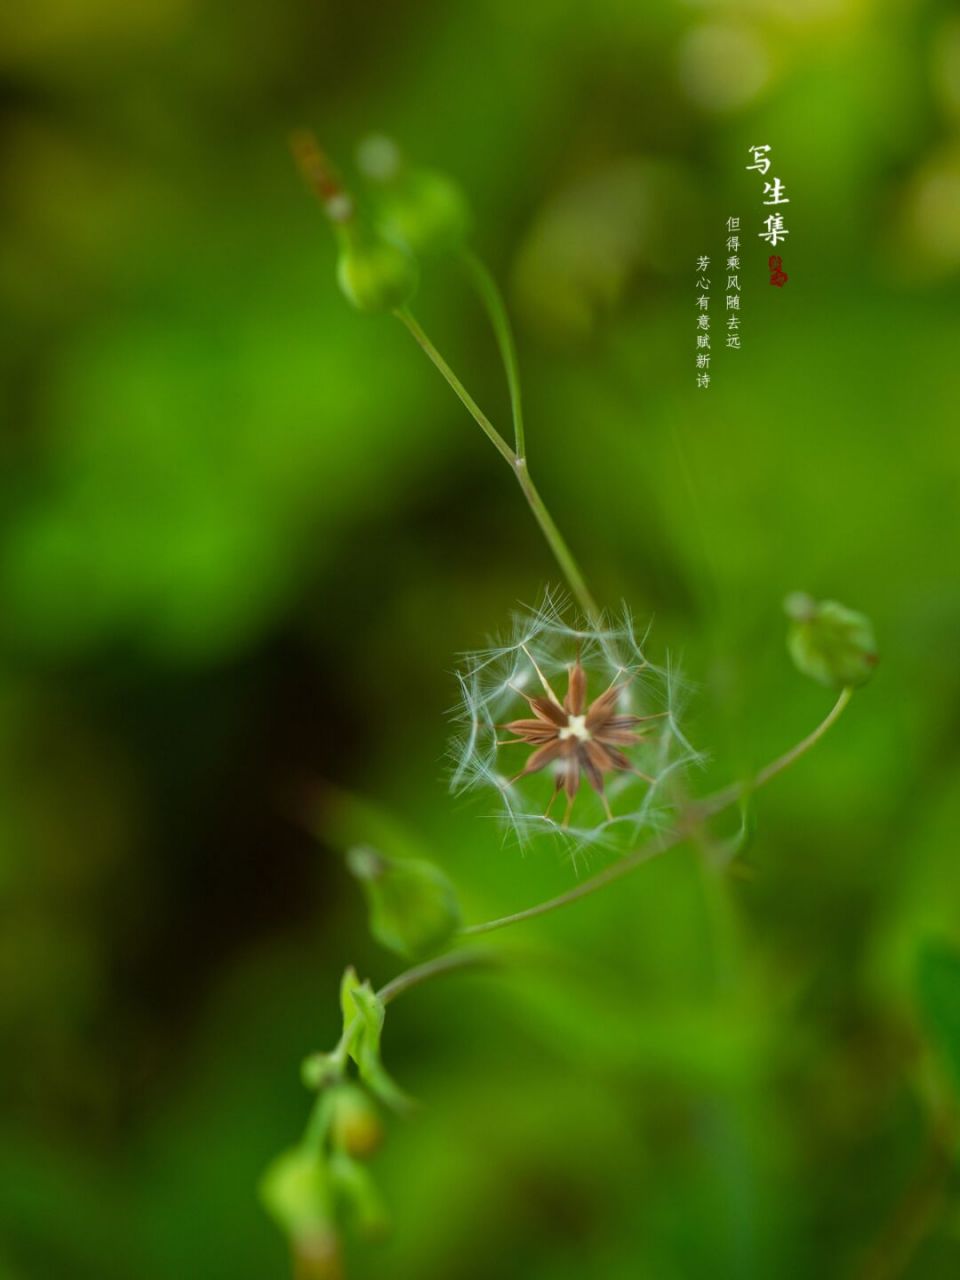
[
  {"x": 518, "y": 465},
  {"x": 489, "y": 293},
  {"x": 453, "y": 960},
  {"x": 720, "y": 800},
  {"x": 463, "y": 395},
  {"x": 562, "y": 553},
  {"x": 706, "y": 808},
  {"x": 616, "y": 871}
]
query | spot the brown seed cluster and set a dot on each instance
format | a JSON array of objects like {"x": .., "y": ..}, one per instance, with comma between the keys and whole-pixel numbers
[{"x": 583, "y": 739}]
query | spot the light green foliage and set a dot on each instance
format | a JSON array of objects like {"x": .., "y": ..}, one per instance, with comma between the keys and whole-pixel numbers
[{"x": 363, "y": 1015}]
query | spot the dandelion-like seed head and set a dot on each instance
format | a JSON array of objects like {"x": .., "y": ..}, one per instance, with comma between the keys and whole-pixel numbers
[{"x": 573, "y": 727}]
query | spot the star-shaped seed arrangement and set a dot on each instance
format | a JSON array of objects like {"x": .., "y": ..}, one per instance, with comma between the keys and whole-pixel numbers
[{"x": 583, "y": 740}]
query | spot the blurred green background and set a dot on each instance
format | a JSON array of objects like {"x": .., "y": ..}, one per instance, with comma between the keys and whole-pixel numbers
[{"x": 245, "y": 533}]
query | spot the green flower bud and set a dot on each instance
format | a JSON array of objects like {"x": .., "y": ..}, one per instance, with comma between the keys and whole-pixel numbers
[
  {"x": 355, "y": 1125},
  {"x": 320, "y": 1069},
  {"x": 423, "y": 209},
  {"x": 830, "y": 643},
  {"x": 295, "y": 1191},
  {"x": 375, "y": 275},
  {"x": 413, "y": 907}
]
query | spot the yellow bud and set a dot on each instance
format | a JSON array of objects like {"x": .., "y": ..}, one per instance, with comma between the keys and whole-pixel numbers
[{"x": 355, "y": 1125}]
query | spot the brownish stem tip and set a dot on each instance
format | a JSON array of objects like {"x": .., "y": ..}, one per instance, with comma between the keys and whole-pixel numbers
[{"x": 313, "y": 163}]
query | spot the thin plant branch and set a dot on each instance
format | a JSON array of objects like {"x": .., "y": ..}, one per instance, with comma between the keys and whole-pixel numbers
[
  {"x": 720, "y": 800},
  {"x": 463, "y": 395},
  {"x": 698, "y": 812},
  {"x": 450, "y": 962},
  {"x": 492, "y": 299},
  {"x": 518, "y": 465}
]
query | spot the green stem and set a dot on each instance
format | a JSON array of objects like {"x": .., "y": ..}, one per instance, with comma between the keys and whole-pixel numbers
[
  {"x": 456, "y": 960},
  {"x": 319, "y": 1120},
  {"x": 518, "y": 465},
  {"x": 706, "y": 808},
  {"x": 464, "y": 396},
  {"x": 562, "y": 553},
  {"x": 721, "y": 800},
  {"x": 616, "y": 871},
  {"x": 453, "y": 960},
  {"x": 489, "y": 293}
]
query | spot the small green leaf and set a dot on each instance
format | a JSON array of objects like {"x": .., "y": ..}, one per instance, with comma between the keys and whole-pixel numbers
[
  {"x": 743, "y": 838},
  {"x": 348, "y": 1006},
  {"x": 363, "y": 1016},
  {"x": 413, "y": 906},
  {"x": 938, "y": 992},
  {"x": 830, "y": 643}
]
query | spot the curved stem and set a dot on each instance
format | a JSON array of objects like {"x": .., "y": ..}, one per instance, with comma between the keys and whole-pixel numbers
[
  {"x": 453, "y": 960},
  {"x": 706, "y": 808},
  {"x": 720, "y": 800},
  {"x": 518, "y": 465},
  {"x": 615, "y": 871},
  {"x": 492, "y": 299}
]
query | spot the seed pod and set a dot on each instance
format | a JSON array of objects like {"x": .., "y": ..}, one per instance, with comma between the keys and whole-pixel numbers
[
  {"x": 413, "y": 907},
  {"x": 421, "y": 208},
  {"x": 375, "y": 274},
  {"x": 830, "y": 643}
]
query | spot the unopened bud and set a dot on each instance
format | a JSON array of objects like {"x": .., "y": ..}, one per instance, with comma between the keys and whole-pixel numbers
[
  {"x": 376, "y": 275},
  {"x": 295, "y": 1192},
  {"x": 320, "y": 1069},
  {"x": 830, "y": 643},
  {"x": 355, "y": 1124}
]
